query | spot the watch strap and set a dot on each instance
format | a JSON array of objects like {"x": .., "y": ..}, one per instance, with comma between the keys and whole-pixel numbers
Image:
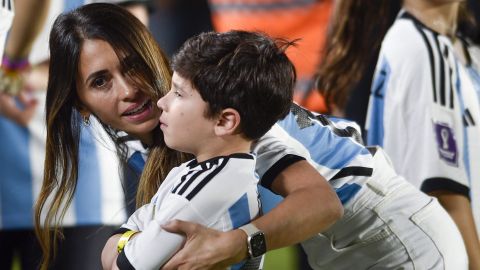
[{"x": 249, "y": 229}]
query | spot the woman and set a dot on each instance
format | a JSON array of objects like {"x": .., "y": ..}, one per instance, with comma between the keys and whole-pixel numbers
[
  {"x": 119, "y": 90},
  {"x": 426, "y": 95},
  {"x": 69, "y": 100}
]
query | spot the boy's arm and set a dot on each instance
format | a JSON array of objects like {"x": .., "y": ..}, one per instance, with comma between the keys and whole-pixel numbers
[
  {"x": 310, "y": 206},
  {"x": 204, "y": 198},
  {"x": 135, "y": 223},
  {"x": 109, "y": 253}
]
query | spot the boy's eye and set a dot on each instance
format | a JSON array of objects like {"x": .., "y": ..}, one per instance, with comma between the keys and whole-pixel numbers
[{"x": 177, "y": 94}]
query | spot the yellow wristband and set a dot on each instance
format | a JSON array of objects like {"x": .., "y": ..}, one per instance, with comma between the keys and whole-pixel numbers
[{"x": 124, "y": 240}]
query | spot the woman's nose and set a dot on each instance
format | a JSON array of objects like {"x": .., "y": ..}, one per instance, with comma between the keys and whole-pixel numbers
[{"x": 127, "y": 90}]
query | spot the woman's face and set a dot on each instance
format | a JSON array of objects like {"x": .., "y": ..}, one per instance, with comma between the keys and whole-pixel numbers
[{"x": 105, "y": 91}]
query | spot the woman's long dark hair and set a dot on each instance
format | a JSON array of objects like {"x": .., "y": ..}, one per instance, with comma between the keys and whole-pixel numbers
[
  {"x": 355, "y": 34},
  {"x": 151, "y": 73}
]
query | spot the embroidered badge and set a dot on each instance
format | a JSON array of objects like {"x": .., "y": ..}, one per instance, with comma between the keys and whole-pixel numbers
[{"x": 447, "y": 146}]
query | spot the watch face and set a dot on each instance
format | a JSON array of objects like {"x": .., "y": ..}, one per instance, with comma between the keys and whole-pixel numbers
[{"x": 257, "y": 242}]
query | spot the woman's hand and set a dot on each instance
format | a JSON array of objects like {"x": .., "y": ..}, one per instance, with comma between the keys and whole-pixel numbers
[{"x": 206, "y": 248}]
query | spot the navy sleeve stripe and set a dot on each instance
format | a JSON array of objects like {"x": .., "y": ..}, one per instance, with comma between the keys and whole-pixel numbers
[
  {"x": 442, "y": 72},
  {"x": 277, "y": 168},
  {"x": 468, "y": 116},
  {"x": 207, "y": 179},
  {"x": 440, "y": 183},
  {"x": 353, "y": 171},
  {"x": 430, "y": 52},
  {"x": 304, "y": 119},
  {"x": 189, "y": 182},
  {"x": 123, "y": 263},
  {"x": 182, "y": 180}
]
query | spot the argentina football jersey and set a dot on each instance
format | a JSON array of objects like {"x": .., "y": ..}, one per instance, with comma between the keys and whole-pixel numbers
[
  {"x": 332, "y": 145},
  {"x": 424, "y": 111}
]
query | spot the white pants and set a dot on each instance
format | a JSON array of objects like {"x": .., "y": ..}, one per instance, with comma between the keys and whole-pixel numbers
[{"x": 389, "y": 225}]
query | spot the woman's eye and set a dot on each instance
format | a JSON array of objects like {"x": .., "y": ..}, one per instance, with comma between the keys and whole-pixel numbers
[{"x": 99, "y": 82}]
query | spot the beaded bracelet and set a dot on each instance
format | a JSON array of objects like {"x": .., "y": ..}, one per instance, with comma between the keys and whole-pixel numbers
[
  {"x": 11, "y": 81},
  {"x": 14, "y": 64}
]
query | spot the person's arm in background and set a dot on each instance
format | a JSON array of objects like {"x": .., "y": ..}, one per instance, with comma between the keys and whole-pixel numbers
[
  {"x": 139, "y": 9},
  {"x": 27, "y": 23},
  {"x": 310, "y": 206},
  {"x": 30, "y": 16},
  {"x": 460, "y": 209}
]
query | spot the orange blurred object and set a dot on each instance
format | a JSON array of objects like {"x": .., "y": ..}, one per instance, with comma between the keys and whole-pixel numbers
[{"x": 303, "y": 19}]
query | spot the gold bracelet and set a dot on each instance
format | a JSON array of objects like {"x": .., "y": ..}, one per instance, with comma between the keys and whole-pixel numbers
[{"x": 124, "y": 240}]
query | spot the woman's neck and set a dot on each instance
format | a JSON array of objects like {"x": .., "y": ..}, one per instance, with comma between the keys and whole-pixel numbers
[
  {"x": 441, "y": 18},
  {"x": 146, "y": 139}
]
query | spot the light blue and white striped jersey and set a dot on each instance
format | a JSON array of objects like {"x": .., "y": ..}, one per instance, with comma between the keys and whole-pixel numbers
[
  {"x": 424, "y": 111},
  {"x": 99, "y": 196},
  {"x": 219, "y": 193},
  {"x": 330, "y": 145}
]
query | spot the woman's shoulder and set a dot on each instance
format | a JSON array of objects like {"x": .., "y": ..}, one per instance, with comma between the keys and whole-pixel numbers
[
  {"x": 404, "y": 36},
  {"x": 407, "y": 43}
]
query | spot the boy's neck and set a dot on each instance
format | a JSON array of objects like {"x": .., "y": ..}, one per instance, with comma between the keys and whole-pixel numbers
[
  {"x": 441, "y": 18},
  {"x": 224, "y": 146}
]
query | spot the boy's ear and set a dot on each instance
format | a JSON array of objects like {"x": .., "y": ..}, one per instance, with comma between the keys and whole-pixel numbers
[{"x": 228, "y": 122}]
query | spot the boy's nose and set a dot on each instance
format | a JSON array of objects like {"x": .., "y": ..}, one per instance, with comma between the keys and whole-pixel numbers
[{"x": 161, "y": 102}]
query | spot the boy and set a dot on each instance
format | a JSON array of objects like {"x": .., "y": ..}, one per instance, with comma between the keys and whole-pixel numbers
[{"x": 228, "y": 89}]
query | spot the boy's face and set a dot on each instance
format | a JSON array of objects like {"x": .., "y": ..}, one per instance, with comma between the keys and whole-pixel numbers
[{"x": 183, "y": 120}]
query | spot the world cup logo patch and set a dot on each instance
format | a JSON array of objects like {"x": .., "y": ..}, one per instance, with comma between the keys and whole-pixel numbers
[{"x": 447, "y": 146}]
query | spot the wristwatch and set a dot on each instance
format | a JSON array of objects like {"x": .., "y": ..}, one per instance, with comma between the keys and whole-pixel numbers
[{"x": 256, "y": 243}]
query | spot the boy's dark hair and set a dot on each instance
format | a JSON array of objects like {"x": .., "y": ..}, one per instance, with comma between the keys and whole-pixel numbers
[{"x": 246, "y": 71}]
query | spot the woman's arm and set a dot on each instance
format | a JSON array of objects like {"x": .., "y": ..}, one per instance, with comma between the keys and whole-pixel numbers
[{"x": 310, "y": 206}]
